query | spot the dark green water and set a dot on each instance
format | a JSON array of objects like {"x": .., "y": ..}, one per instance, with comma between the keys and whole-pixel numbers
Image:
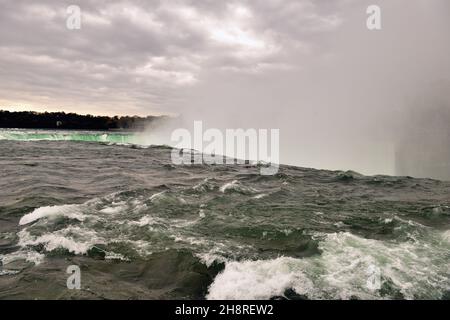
[{"x": 142, "y": 228}]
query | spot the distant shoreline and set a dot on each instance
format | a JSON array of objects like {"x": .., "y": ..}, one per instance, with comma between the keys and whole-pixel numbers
[{"x": 73, "y": 121}]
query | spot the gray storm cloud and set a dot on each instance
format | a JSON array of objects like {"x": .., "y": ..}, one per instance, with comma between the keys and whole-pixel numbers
[{"x": 342, "y": 96}]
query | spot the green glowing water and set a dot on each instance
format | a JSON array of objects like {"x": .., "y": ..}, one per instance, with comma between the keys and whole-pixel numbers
[{"x": 88, "y": 136}]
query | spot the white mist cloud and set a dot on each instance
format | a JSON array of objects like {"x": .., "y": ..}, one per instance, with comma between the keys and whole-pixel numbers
[{"x": 336, "y": 90}]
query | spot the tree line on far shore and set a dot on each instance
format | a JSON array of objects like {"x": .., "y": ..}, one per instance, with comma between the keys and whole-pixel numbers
[{"x": 62, "y": 120}]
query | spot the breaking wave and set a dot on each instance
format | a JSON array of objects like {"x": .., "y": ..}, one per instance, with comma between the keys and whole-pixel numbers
[{"x": 408, "y": 270}]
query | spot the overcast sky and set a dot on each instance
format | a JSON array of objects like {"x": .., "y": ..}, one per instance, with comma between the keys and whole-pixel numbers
[
  {"x": 311, "y": 68},
  {"x": 145, "y": 56}
]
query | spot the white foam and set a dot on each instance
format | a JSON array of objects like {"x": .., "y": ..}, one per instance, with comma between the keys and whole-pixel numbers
[
  {"x": 29, "y": 256},
  {"x": 339, "y": 224},
  {"x": 115, "y": 256},
  {"x": 229, "y": 186},
  {"x": 144, "y": 221},
  {"x": 259, "y": 196},
  {"x": 257, "y": 279},
  {"x": 114, "y": 208},
  {"x": 80, "y": 236},
  {"x": 446, "y": 235},
  {"x": 8, "y": 272},
  {"x": 71, "y": 211},
  {"x": 340, "y": 271},
  {"x": 157, "y": 196},
  {"x": 141, "y": 246},
  {"x": 209, "y": 258},
  {"x": 74, "y": 239},
  {"x": 204, "y": 186},
  {"x": 191, "y": 240},
  {"x": 236, "y": 186}
]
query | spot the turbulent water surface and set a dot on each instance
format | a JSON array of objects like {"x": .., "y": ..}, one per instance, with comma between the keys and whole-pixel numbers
[{"x": 141, "y": 228}]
